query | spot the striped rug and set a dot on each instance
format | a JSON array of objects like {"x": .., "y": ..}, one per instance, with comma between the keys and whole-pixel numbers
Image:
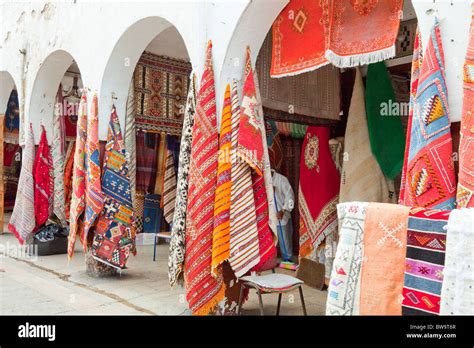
[{"x": 169, "y": 187}]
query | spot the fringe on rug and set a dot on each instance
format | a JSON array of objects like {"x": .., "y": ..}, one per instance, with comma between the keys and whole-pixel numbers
[
  {"x": 311, "y": 68},
  {"x": 213, "y": 303},
  {"x": 360, "y": 59}
]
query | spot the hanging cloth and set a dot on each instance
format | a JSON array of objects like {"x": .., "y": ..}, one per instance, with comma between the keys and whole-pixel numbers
[
  {"x": 78, "y": 179},
  {"x": 178, "y": 230},
  {"x": 114, "y": 234},
  {"x": 68, "y": 171},
  {"x": 169, "y": 181},
  {"x": 203, "y": 290},
  {"x": 430, "y": 180},
  {"x": 387, "y": 138},
  {"x": 131, "y": 141},
  {"x": 22, "y": 221},
  {"x": 44, "y": 185}
]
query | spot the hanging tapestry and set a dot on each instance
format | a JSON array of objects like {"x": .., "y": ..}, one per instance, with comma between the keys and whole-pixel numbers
[
  {"x": 465, "y": 191},
  {"x": 386, "y": 134},
  {"x": 318, "y": 190},
  {"x": 424, "y": 263},
  {"x": 78, "y": 179},
  {"x": 315, "y": 93},
  {"x": 178, "y": 230},
  {"x": 44, "y": 185},
  {"x": 139, "y": 210},
  {"x": 70, "y": 121},
  {"x": 152, "y": 213},
  {"x": 161, "y": 85},
  {"x": 22, "y": 221},
  {"x": 114, "y": 235},
  {"x": 68, "y": 174},
  {"x": 221, "y": 233},
  {"x": 361, "y": 178},
  {"x": 169, "y": 180},
  {"x": 11, "y": 173},
  {"x": 244, "y": 247},
  {"x": 344, "y": 285},
  {"x": 131, "y": 141},
  {"x": 147, "y": 157},
  {"x": 361, "y": 32},
  {"x": 385, "y": 239},
  {"x": 457, "y": 292},
  {"x": 94, "y": 194},
  {"x": 430, "y": 181},
  {"x": 58, "y": 152},
  {"x": 299, "y": 41},
  {"x": 415, "y": 77},
  {"x": 11, "y": 128},
  {"x": 203, "y": 289},
  {"x": 160, "y": 166},
  {"x": 275, "y": 148}
]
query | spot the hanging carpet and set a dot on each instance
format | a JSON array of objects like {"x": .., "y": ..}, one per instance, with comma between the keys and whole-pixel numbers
[{"x": 44, "y": 185}]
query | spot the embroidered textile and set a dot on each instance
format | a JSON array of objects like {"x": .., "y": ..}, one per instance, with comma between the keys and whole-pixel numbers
[
  {"x": 161, "y": 85},
  {"x": 203, "y": 290},
  {"x": 344, "y": 286},
  {"x": 11, "y": 128},
  {"x": 426, "y": 245},
  {"x": 430, "y": 179},
  {"x": 318, "y": 190},
  {"x": 22, "y": 221},
  {"x": 44, "y": 185},
  {"x": 178, "y": 230},
  {"x": 385, "y": 239}
]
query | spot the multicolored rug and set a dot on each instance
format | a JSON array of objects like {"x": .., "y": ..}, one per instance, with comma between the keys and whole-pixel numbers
[
  {"x": 114, "y": 234},
  {"x": 457, "y": 292},
  {"x": 221, "y": 233},
  {"x": 426, "y": 245},
  {"x": 22, "y": 221},
  {"x": 11, "y": 173},
  {"x": 11, "y": 128},
  {"x": 94, "y": 195},
  {"x": 43, "y": 179},
  {"x": 344, "y": 286},
  {"x": 147, "y": 157},
  {"x": 465, "y": 191},
  {"x": 430, "y": 180},
  {"x": 152, "y": 213},
  {"x": 204, "y": 290},
  {"x": 318, "y": 190},
  {"x": 299, "y": 41},
  {"x": 385, "y": 239},
  {"x": 131, "y": 140},
  {"x": 244, "y": 243},
  {"x": 361, "y": 178},
  {"x": 78, "y": 179},
  {"x": 178, "y": 230},
  {"x": 360, "y": 31},
  {"x": 169, "y": 180},
  {"x": 161, "y": 85},
  {"x": 68, "y": 173}
]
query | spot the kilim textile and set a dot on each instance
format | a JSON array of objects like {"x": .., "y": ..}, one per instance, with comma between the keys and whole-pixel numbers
[
  {"x": 152, "y": 213},
  {"x": 139, "y": 210},
  {"x": 457, "y": 292},
  {"x": 387, "y": 137},
  {"x": 178, "y": 229},
  {"x": 360, "y": 31},
  {"x": 244, "y": 243},
  {"x": 11, "y": 172},
  {"x": 169, "y": 182},
  {"x": 430, "y": 180},
  {"x": 161, "y": 85},
  {"x": 318, "y": 190},
  {"x": 44, "y": 185},
  {"x": 58, "y": 152},
  {"x": 203, "y": 289},
  {"x": 131, "y": 141},
  {"x": 344, "y": 286},
  {"x": 114, "y": 233},
  {"x": 12, "y": 120},
  {"x": 68, "y": 173},
  {"x": 71, "y": 119},
  {"x": 221, "y": 234},
  {"x": 94, "y": 194},
  {"x": 275, "y": 148},
  {"x": 385, "y": 238},
  {"x": 78, "y": 178},
  {"x": 315, "y": 93},
  {"x": 415, "y": 77},
  {"x": 299, "y": 41},
  {"x": 147, "y": 157},
  {"x": 22, "y": 221},
  {"x": 465, "y": 191},
  {"x": 161, "y": 165},
  {"x": 361, "y": 178},
  {"x": 426, "y": 245}
]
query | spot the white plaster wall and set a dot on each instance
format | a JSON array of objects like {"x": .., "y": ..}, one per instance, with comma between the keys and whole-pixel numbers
[{"x": 454, "y": 21}]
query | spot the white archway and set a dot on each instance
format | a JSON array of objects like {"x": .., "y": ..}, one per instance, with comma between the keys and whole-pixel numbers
[{"x": 7, "y": 84}]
